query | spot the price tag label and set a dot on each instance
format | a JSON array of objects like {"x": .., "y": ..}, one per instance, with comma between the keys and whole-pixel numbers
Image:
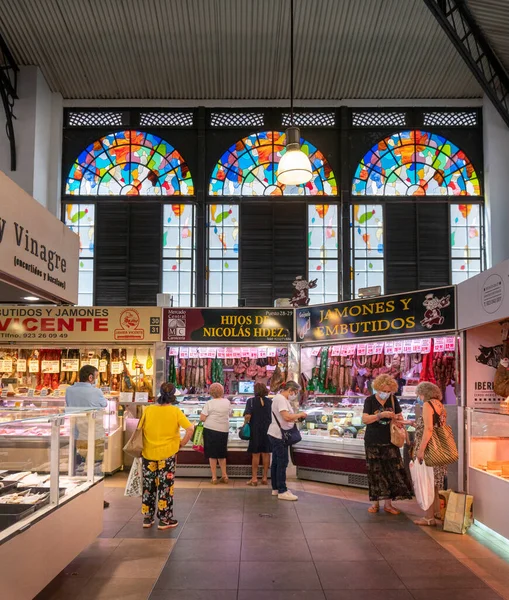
[
  {"x": 70, "y": 365},
  {"x": 116, "y": 368},
  {"x": 378, "y": 348},
  {"x": 4, "y": 392},
  {"x": 5, "y": 366},
  {"x": 335, "y": 351},
  {"x": 253, "y": 352},
  {"x": 343, "y": 350},
  {"x": 125, "y": 397},
  {"x": 450, "y": 344},
  {"x": 246, "y": 352},
  {"x": 416, "y": 345},
  {"x": 44, "y": 392},
  {"x": 315, "y": 351},
  {"x": 389, "y": 348},
  {"x": 193, "y": 352},
  {"x": 407, "y": 346},
  {"x": 426, "y": 346},
  {"x": 106, "y": 389},
  {"x": 93, "y": 362},
  {"x": 237, "y": 353},
  {"x": 56, "y": 393},
  {"x": 50, "y": 366},
  {"x": 361, "y": 349},
  {"x": 184, "y": 352},
  {"x": 141, "y": 397},
  {"x": 30, "y": 393},
  {"x": 271, "y": 351},
  {"x": 229, "y": 353},
  {"x": 33, "y": 366},
  {"x": 370, "y": 349},
  {"x": 262, "y": 352},
  {"x": 398, "y": 347},
  {"x": 21, "y": 365},
  {"x": 103, "y": 366},
  {"x": 439, "y": 344},
  {"x": 172, "y": 351},
  {"x": 203, "y": 352},
  {"x": 221, "y": 353}
]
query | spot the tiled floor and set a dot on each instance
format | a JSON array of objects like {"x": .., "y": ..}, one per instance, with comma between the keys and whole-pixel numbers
[{"x": 240, "y": 543}]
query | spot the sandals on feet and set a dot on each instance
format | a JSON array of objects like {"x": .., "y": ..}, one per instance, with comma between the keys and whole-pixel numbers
[
  {"x": 224, "y": 480},
  {"x": 213, "y": 481},
  {"x": 425, "y": 522},
  {"x": 252, "y": 483},
  {"x": 373, "y": 509},
  {"x": 265, "y": 482},
  {"x": 391, "y": 510}
]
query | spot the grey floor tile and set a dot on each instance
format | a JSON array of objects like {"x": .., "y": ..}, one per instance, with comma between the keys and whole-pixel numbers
[
  {"x": 325, "y": 516},
  {"x": 271, "y": 549},
  {"x": 369, "y": 595},
  {"x": 350, "y": 549},
  {"x": 405, "y": 531},
  {"x": 193, "y": 595},
  {"x": 199, "y": 575},
  {"x": 281, "y": 595},
  {"x": 111, "y": 528},
  {"x": 417, "y": 549},
  {"x": 210, "y": 549},
  {"x": 213, "y": 530},
  {"x": 135, "y": 530},
  {"x": 272, "y": 529},
  {"x": 456, "y": 594},
  {"x": 332, "y": 531},
  {"x": 359, "y": 575},
  {"x": 436, "y": 574},
  {"x": 274, "y": 515},
  {"x": 278, "y": 576},
  {"x": 223, "y": 515}
]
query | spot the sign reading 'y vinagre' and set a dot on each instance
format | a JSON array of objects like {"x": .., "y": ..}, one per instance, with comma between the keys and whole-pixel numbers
[{"x": 424, "y": 311}]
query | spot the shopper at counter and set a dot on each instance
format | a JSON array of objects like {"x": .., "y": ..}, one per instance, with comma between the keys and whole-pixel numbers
[
  {"x": 433, "y": 415},
  {"x": 161, "y": 425},
  {"x": 283, "y": 417},
  {"x": 387, "y": 478},
  {"x": 258, "y": 414},
  {"x": 216, "y": 425}
]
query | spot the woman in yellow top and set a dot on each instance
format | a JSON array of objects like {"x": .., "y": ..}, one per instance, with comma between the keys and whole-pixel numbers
[{"x": 161, "y": 425}]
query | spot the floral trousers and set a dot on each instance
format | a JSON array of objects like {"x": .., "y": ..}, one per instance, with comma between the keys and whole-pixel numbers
[{"x": 158, "y": 479}]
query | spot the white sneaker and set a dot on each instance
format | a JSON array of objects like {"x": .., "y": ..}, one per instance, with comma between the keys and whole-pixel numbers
[
  {"x": 287, "y": 496},
  {"x": 275, "y": 492}
]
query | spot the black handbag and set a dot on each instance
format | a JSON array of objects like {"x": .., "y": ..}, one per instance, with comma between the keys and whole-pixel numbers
[{"x": 289, "y": 436}]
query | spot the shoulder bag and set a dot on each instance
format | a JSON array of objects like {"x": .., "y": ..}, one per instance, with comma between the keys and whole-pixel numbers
[
  {"x": 398, "y": 432},
  {"x": 441, "y": 449},
  {"x": 289, "y": 436},
  {"x": 134, "y": 446}
]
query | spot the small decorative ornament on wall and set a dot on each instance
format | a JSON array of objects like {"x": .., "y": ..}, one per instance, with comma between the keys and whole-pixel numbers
[{"x": 301, "y": 293}]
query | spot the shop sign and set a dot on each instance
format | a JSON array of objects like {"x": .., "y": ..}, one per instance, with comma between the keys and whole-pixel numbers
[
  {"x": 424, "y": 311},
  {"x": 80, "y": 324},
  {"x": 232, "y": 325},
  {"x": 36, "y": 249}
]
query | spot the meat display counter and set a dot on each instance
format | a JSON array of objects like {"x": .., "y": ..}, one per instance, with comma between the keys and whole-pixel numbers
[
  {"x": 51, "y": 493},
  {"x": 332, "y": 446}
]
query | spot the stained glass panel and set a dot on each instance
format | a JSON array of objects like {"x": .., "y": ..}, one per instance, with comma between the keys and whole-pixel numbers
[
  {"x": 80, "y": 218},
  {"x": 466, "y": 236},
  {"x": 131, "y": 163},
  {"x": 415, "y": 163},
  {"x": 367, "y": 246},
  {"x": 223, "y": 255},
  {"x": 179, "y": 253},
  {"x": 249, "y": 168},
  {"x": 323, "y": 252}
]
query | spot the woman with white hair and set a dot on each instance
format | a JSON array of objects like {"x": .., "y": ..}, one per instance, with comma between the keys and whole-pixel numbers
[
  {"x": 216, "y": 424},
  {"x": 429, "y": 397}
]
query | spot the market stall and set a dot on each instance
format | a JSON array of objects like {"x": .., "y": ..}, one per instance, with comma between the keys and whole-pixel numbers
[
  {"x": 343, "y": 347},
  {"x": 235, "y": 347},
  {"x": 483, "y": 317},
  {"x": 43, "y": 348}
]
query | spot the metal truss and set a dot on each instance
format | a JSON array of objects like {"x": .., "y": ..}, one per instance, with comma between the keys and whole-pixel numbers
[
  {"x": 8, "y": 92},
  {"x": 458, "y": 22}
]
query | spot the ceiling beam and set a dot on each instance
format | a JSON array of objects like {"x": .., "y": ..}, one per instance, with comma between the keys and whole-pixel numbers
[
  {"x": 9, "y": 93},
  {"x": 459, "y": 24}
]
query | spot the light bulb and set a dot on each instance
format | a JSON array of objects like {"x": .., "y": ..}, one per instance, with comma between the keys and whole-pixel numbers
[{"x": 294, "y": 167}]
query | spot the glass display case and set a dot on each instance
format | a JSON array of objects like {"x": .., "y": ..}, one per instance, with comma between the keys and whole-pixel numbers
[
  {"x": 45, "y": 459},
  {"x": 488, "y": 466},
  {"x": 332, "y": 446}
]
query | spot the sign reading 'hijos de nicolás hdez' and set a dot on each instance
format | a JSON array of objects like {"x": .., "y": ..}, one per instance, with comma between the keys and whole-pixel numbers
[
  {"x": 228, "y": 325},
  {"x": 424, "y": 311}
]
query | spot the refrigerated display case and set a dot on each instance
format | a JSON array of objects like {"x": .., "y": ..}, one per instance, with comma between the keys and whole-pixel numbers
[{"x": 50, "y": 489}]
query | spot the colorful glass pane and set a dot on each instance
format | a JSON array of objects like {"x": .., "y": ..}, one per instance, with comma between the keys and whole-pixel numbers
[
  {"x": 249, "y": 168},
  {"x": 367, "y": 246},
  {"x": 223, "y": 255},
  {"x": 179, "y": 253},
  {"x": 131, "y": 163},
  {"x": 415, "y": 163},
  {"x": 466, "y": 236},
  {"x": 80, "y": 218},
  {"x": 323, "y": 252}
]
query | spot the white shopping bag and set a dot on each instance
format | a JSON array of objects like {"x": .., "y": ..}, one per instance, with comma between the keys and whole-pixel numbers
[
  {"x": 134, "y": 485},
  {"x": 424, "y": 483}
]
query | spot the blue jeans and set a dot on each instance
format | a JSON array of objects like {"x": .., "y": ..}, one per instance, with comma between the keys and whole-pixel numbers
[{"x": 279, "y": 464}]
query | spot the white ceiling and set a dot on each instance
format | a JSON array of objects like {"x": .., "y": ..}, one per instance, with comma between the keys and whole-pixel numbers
[{"x": 239, "y": 49}]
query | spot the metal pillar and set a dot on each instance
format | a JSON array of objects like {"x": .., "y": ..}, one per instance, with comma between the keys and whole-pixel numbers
[{"x": 9, "y": 93}]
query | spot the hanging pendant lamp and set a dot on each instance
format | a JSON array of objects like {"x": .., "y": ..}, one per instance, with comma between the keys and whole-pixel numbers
[{"x": 294, "y": 167}]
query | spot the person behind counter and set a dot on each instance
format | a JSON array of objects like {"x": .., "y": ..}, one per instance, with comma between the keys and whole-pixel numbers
[
  {"x": 433, "y": 415},
  {"x": 216, "y": 425},
  {"x": 258, "y": 414},
  {"x": 85, "y": 394},
  {"x": 161, "y": 425},
  {"x": 387, "y": 478},
  {"x": 283, "y": 417}
]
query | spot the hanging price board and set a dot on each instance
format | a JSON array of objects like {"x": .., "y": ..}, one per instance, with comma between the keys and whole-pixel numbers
[
  {"x": 370, "y": 349},
  {"x": 335, "y": 351},
  {"x": 33, "y": 366},
  {"x": 389, "y": 348},
  {"x": 262, "y": 352},
  {"x": 439, "y": 344},
  {"x": 416, "y": 345},
  {"x": 21, "y": 365},
  {"x": 343, "y": 350},
  {"x": 93, "y": 362},
  {"x": 193, "y": 352},
  {"x": 203, "y": 352},
  {"x": 173, "y": 351},
  {"x": 378, "y": 348},
  {"x": 237, "y": 352},
  {"x": 398, "y": 347},
  {"x": 407, "y": 346},
  {"x": 5, "y": 366},
  {"x": 361, "y": 349},
  {"x": 253, "y": 352},
  {"x": 271, "y": 351},
  {"x": 70, "y": 365},
  {"x": 450, "y": 344},
  {"x": 211, "y": 353},
  {"x": 103, "y": 366},
  {"x": 50, "y": 366},
  {"x": 314, "y": 351},
  {"x": 229, "y": 353},
  {"x": 184, "y": 352},
  {"x": 221, "y": 353},
  {"x": 116, "y": 368},
  {"x": 426, "y": 346}
]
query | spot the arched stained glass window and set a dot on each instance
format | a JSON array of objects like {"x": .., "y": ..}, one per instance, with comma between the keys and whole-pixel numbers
[
  {"x": 249, "y": 168},
  {"x": 415, "y": 163},
  {"x": 131, "y": 163}
]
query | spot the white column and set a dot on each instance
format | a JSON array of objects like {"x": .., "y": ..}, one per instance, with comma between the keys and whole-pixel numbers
[
  {"x": 38, "y": 137},
  {"x": 496, "y": 177}
]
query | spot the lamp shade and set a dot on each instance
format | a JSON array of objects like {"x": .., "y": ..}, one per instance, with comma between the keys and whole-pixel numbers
[{"x": 294, "y": 167}]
